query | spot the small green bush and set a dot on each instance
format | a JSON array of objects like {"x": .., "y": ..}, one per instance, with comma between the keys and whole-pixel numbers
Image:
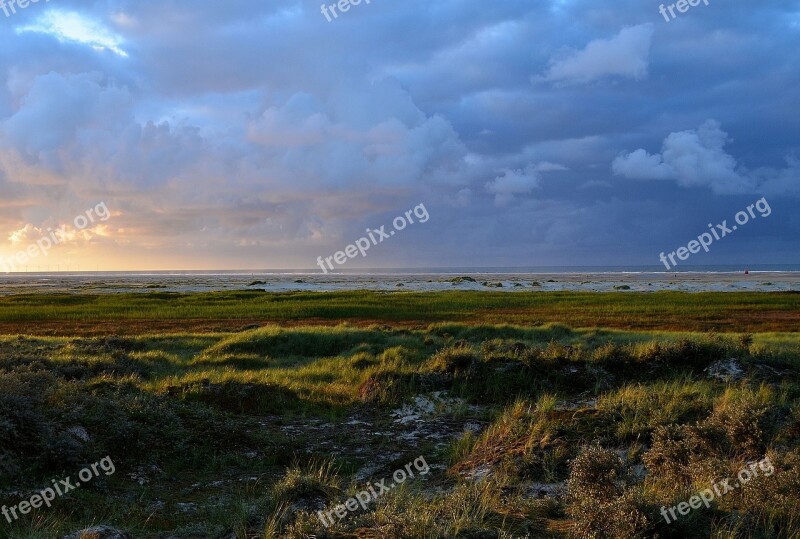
[{"x": 456, "y": 361}]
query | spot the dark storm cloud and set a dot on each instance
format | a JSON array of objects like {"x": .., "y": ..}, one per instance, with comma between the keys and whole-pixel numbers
[{"x": 256, "y": 133}]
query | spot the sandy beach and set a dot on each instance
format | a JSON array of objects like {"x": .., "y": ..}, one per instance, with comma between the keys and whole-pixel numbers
[{"x": 509, "y": 282}]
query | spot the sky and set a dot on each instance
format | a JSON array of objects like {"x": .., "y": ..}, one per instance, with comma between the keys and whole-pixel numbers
[{"x": 263, "y": 134}]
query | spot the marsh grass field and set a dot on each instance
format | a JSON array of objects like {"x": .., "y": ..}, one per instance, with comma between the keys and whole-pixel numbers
[
  {"x": 243, "y": 414},
  {"x": 139, "y": 313}
]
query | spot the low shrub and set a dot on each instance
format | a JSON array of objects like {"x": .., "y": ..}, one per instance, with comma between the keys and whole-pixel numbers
[{"x": 600, "y": 500}]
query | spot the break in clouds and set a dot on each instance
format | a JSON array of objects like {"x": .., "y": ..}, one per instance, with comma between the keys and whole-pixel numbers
[{"x": 257, "y": 134}]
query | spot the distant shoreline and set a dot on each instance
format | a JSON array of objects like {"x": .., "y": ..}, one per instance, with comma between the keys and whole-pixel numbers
[
  {"x": 104, "y": 283},
  {"x": 385, "y": 272}
]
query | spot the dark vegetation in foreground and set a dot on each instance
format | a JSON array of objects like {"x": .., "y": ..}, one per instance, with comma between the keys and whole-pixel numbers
[
  {"x": 530, "y": 431},
  {"x": 178, "y": 414}
]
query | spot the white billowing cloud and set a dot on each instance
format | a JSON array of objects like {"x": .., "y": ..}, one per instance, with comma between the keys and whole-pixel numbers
[
  {"x": 372, "y": 135},
  {"x": 625, "y": 55},
  {"x": 302, "y": 168},
  {"x": 641, "y": 165},
  {"x": 74, "y": 27},
  {"x": 694, "y": 158},
  {"x": 299, "y": 123},
  {"x": 83, "y": 126},
  {"x": 56, "y": 108},
  {"x": 512, "y": 183}
]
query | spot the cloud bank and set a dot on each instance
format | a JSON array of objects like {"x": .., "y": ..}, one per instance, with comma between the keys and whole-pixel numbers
[{"x": 257, "y": 135}]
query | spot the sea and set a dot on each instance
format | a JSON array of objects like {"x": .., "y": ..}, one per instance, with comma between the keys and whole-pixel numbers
[{"x": 765, "y": 278}]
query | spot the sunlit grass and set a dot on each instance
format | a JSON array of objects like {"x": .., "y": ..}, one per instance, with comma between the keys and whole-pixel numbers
[
  {"x": 207, "y": 408},
  {"x": 725, "y": 312}
]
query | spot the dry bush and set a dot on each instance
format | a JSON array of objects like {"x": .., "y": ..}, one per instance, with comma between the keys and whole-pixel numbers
[
  {"x": 740, "y": 421},
  {"x": 600, "y": 500},
  {"x": 682, "y": 457},
  {"x": 596, "y": 473},
  {"x": 775, "y": 497}
]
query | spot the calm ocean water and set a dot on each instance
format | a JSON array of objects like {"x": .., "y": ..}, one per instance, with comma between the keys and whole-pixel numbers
[
  {"x": 554, "y": 278},
  {"x": 532, "y": 270}
]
